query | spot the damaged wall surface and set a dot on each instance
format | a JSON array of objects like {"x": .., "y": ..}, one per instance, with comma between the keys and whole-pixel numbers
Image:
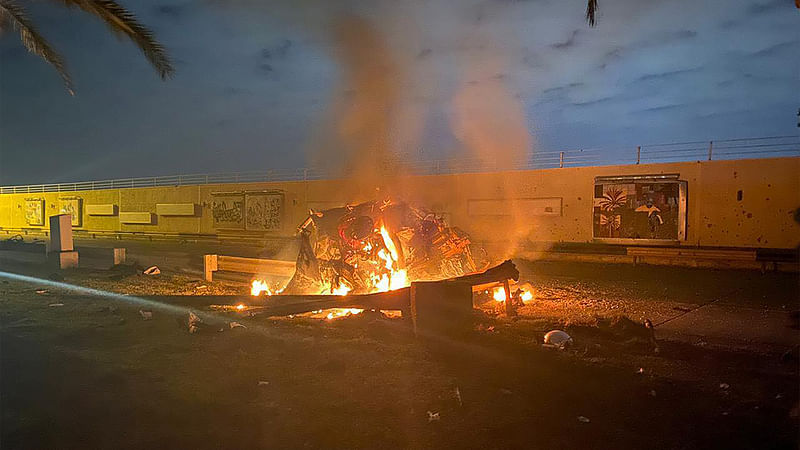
[{"x": 738, "y": 203}]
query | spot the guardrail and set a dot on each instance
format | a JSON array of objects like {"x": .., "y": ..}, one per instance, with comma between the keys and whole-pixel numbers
[{"x": 761, "y": 147}]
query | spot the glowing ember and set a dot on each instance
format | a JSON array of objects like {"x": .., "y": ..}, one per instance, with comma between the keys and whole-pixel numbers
[
  {"x": 336, "y": 313},
  {"x": 526, "y": 296},
  {"x": 499, "y": 294}
]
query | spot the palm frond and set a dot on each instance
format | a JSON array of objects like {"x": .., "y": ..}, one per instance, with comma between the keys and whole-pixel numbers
[
  {"x": 591, "y": 9},
  {"x": 121, "y": 20},
  {"x": 12, "y": 13}
]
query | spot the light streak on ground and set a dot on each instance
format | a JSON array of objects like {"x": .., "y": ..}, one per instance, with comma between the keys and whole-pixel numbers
[{"x": 95, "y": 292}]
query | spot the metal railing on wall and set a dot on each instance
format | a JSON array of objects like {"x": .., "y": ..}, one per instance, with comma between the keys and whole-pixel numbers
[{"x": 760, "y": 147}]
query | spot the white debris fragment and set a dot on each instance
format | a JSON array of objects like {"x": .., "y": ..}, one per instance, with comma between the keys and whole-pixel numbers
[
  {"x": 55, "y": 305},
  {"x": 42, "y": 291},
  {"x": 458, "y": 396},
  {"x": 724, "y": 386},
  {"x": 236, "y": 325},
  {"x": 194, "y": 322},
  {"x": 558, "y": 338},
  {"x": 433, "y": 416},
  {"x": 152, "y": 270},
  {"x": 146, "y": 315},
  {"x": 583, "y": 419},
  {"x": 263, "y": 383}
]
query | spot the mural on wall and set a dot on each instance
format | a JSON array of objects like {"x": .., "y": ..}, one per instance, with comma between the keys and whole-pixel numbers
[
  {"x": 71, "y": 206},
  {"x": 263, "y": 211},
  {"x": 34, "y": 211},
  {"x": 644, "y": 209},
  {"x": 228, "y": 211}
]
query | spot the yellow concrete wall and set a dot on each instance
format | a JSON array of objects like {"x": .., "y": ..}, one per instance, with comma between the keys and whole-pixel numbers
[{"x": 763, "y": 218}]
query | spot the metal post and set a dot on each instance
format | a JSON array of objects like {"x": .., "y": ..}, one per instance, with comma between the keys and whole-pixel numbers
[
  {"x": 509, "y": 306},
  {"x": 710, "y": 148},
  {"x": 561, "y": 159},
  {"x": 638, "y": 154}
]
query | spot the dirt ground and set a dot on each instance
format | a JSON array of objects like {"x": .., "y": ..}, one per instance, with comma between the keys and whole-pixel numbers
[{"x": 91, "y": 373}]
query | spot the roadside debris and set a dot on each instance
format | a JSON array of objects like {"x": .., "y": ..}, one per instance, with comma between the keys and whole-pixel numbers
[
  {"x": 557, "y": 338},
  {"x": 55, "y": 305},
  {"x": 201, "y": 287},
  {"x": 194, "y": 322},
  {"x": 583, "y": 419},
  {"x": 433, "y": 416},
  {"x": 263, "y": 383},
  {"x": 146, "y": 315},
  {"x": 42, "y": 291},
  {"x": 236, "y": 325},
  {"x": 152, "y": 270},
  {"x": 458, "y": 396}
]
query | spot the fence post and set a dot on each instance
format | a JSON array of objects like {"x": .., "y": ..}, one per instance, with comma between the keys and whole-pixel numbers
[
  {"x": 710, "y": 148},
  {"x": 638, "y": 153},
  {"x": 561, "y": 159}
]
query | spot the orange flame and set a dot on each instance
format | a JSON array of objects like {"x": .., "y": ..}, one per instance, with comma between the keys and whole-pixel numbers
[
  {"x": 499, "y": 294},
  {"x": 259, "y": 286}
]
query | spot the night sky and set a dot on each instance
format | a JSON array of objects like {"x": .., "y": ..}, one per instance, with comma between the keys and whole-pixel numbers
[{"x": 263, "y": 84}]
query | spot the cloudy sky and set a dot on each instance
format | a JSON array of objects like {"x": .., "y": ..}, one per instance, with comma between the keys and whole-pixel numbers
[{"x": 278, "y": 84}]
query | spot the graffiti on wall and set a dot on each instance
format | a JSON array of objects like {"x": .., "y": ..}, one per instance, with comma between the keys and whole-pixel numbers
[
  {"x": 256, "y": 211},
  {"x": 34, "y": 211},
  {"x": 228, "y": 211},
  {"x": 264, "y": 211},
  {"x": 638, "y": 210},
  {"x": 71, "y": 206}
]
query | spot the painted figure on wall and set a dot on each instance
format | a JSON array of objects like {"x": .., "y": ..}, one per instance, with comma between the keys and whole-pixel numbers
[
  {"x": 71, "y": 206},
  {"x": 641, "y": 209},
  {"x": 34, "y": 211},
  {"x": 654, "y": 219}
]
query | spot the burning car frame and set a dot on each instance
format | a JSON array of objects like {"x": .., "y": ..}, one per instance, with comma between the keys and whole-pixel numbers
[{"x": 378, "y": 246}]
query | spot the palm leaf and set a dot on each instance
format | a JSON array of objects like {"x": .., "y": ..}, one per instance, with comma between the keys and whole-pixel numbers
[
  {"x": 591, "y": 9},
  {"x": 122, "y": 21},
  {"x": 11, "y": 12}
]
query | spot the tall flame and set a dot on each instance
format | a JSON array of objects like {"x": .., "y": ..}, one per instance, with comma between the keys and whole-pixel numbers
[{"x": 395, "y": 278}]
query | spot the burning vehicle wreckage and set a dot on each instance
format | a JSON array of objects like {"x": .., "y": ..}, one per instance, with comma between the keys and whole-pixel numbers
[
  {"x": 389, "y": 256},
  {"x": 378, "y": 247}
]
